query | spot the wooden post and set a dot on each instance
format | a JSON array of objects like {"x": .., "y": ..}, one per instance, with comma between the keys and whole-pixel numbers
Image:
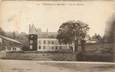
[{"x": 113, "y": 42}]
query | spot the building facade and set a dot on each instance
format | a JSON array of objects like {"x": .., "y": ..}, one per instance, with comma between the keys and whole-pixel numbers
[
  {"x": 46, "y": 41},
  {"x": 52, "y": 44}
]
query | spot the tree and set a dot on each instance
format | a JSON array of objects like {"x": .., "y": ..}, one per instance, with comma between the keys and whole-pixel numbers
[
  {"x": 1, "y": 31},
  {"x": 110, "y": 30},
  {"x": 97, "y": 38},
  {"x": 72, "y": 32}
]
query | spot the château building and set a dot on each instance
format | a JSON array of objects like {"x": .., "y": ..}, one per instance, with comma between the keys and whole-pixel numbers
[{"x": 46, "y": 41}]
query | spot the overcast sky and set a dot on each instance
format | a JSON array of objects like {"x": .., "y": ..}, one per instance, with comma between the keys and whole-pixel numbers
[{"x": 16, "y": 16}]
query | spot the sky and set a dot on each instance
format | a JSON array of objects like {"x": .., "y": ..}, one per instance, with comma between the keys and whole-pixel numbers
[{"x": 17, "y": 15}]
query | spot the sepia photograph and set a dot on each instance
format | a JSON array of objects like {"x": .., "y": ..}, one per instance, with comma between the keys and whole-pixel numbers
[{"x": 57, "y": 36}]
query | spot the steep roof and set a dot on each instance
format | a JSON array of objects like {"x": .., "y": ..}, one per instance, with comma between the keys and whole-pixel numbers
[
  {"x": 10, "y": 39},
  {"x": 47, "y": 35}
]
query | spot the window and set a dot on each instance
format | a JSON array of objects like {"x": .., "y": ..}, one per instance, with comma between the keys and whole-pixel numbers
[
  {"x": 48, "y": 42},
  {"x": 44, "y": 42},
  {"x": 52, "y": 47},
  {"x": 56, "y": 47},
  {"x": 52, "y": 42},
  {"x": 31, "y": 46},
  {"x": 8, "y": 48},
  {"x": 39, "y": 42},
  {"x": 14, "y": 49},
  {"x": 39, "y": 47},
  {"x": 44, "y": 47}
]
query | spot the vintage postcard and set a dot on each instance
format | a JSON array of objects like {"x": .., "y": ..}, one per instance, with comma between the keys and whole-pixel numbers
[{"x": 57, "y": 36}]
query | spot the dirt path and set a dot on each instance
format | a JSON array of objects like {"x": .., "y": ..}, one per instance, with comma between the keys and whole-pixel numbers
[{"x": 37, "y": 66}]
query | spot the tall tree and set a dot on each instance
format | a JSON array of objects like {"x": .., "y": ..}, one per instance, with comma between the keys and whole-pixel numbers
[
  {"x": 1, "y": 31},
  {"x": 72, "y": 32}
]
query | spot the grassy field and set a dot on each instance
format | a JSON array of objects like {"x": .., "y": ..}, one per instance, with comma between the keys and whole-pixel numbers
[{"x": 54, "y": 66}]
